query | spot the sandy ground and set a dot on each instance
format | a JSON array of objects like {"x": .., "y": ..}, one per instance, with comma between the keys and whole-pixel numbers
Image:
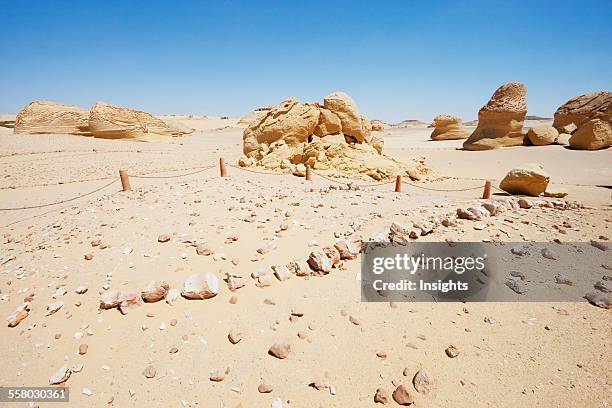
[{"x": 512, "y": 354}]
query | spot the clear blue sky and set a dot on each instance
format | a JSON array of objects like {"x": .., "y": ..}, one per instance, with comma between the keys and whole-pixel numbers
[{"x": 399, "y": 60}]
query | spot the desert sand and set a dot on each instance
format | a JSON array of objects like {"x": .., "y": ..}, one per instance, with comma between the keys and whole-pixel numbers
[{"x": 511, "y": 354}]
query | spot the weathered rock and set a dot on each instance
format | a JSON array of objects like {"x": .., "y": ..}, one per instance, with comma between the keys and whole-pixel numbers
[
  {"x": 320, "y": 262},
  {"x": 599, "y": 300},
  {"x": 18, "y": 315},
  {"x": 155, "y": 291},
  {"x": 329, "y": 124},
  {"x": 378, "y": 125},
  {"x": 281, "y": 272},
  {"x": 517, "y": 285},
  {"x": 333, "y": 255},
  {"x": 353, "y": 124},
  {"x": 300, "y": 268},
  {"x": 422, "y": 381},
  {"x": 529, "y": 179},
  {"x": 451, "y": 351},
  {"x": 280, "y": 350},
  {"x": 149, "y": 372},
  {"x": 201, "y": 286},
  {"x": 592, "y": 135},
  {"x": 51, "y": 117},
  {"x": 54, "y": 307},
  {"x": 264, "y": 388},
  {"x": 234, "y": 336},
  {"x": 163, "y": 238},
  {"x": 563, "y": 139},
  {"x": 60, "y": 376},
  {"x": 500, "y": 121},
  {"x": 290, "y": 121},
  {"x": 83, "y": 349},
  {"x": 542, "y": 135},
  {"x": 447, "y": 127},
  {"x": 115, "y": 122},
  {"x": 581, "y": 109},
  {"x": 348, "y": 249},
  {"x": 129, "y": 301},
  {"x": 402, "y": 396},
  {"x": 218, "y": 376},
  {"x": 381, "y": 396},
  {"x": 109, "y": 300}
]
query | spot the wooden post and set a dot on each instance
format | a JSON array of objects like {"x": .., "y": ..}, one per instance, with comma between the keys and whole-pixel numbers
[
  {"x": 308, "y": 176},
  {"x": 486, "y": 194},
  {"x": 125, "y": 181},
  {"x": 398, "y": 184},
  {"x": 222, "y": 168}
]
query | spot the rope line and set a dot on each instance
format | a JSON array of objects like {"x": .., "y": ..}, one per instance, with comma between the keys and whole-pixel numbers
[
  {"x": 62, "y": 201},
  {"x": 255, "y": 171},
  {"x": 146, "y": 175}
]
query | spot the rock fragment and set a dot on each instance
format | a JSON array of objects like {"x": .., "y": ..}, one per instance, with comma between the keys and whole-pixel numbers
[
  {"x": 201, "y": 286},
  {"x": 280, "y": 350},
  {"x": 155, "y": 291},
  {"x": 422, "y": 381},
  {"x": 402, "y": 396}
]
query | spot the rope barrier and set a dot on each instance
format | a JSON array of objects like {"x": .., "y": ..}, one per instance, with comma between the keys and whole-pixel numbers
[
  {"x": 256, "y": 171},
  {"x": 60, "y": 202},
  {"x": 146, "y": 176}
]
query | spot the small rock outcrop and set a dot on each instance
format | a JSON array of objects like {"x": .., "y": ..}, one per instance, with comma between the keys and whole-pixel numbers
[
  {"x": 51, "y": 117},
  {"x": 500, "y": 121},
  {"x": 528, "y": 179},
  {"x": 447, "y": 127},
  {"x": 115, "y": 122},
  {"x": 542, "y": 135},
  {"x": 581, "y": 109},
  {"x": 334, "y": 137},
  {"x": 378, "y": 126}
]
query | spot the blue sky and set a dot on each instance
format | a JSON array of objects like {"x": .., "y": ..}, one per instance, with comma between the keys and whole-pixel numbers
[{"x": 399, "y": 60}]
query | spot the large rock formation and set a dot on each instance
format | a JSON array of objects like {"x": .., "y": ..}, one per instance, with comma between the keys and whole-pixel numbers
[
  {"x": 592, "y": 135},
  {"x": 52, "y": 117},
  {"x": 378, "y": 125},
  {"x": 581, "y": 109},
  {"x": 115, "y": 122},
  {"x": 353, "y": 124},
  {"x": 500, "y": 121},
  {"x": 447, "y": 127},
  {"x": 337, "y": 137},
  {"x": 529, "y": 179}
]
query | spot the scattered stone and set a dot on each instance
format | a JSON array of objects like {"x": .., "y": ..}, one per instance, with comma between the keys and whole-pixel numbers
[
  {"x": 149, "y": 372},
  {"x": 422, "y": 381},
  {"x": 172, "y": 296},
  {"x": 88, "y": 257},
  {"x": 18, "y": 315},
  {"x": 129, "y": 301},
  {"x": 280, "y": 350},
  {"x": 202, "y": 250},
  {"x": 54, "y": 307},
  {"x": 155, "y": 291},
  {"x": 163, "y": 238},
  {"x": 235, "y": 336},
  {"x": 548, "y": 254},
  {"x": 381, "y": 396},
  {"x": 264, "y": 388},
  {"x": 402, "y": 396},
  {"x": 109, "y": 300},
  {"x": 452, "y": 351},
  {"x": 319, "y": 262},
  {"x": 517, "y": 285},
  {"x": 281, "y": 272},
  {"x": 60, "y": 376},
  {"x": 354, "y": 320},
  {"x": 201, "y": 286},
  {"x": 87, "y": 391},
  {"x": 81, "y": 290},
  {"x": 83, "y": 349},
  {"x": 603, "y": 286},
  {"x": 599, "y": 300},
  {"x": 218, "y": 376},
  {"x": 562, "y": 280}
]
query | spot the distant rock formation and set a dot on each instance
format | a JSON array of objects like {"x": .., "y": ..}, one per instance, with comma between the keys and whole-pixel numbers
[
  {"x": 115, "y": 122},
  {"x": 447, "y": 127},
  {"x": 52, "y": 117},
  {"x": 335, "y": 136},
  {"x": 500, "y": 121},
  {"x": 581, "y": 109},
  {"x": 378, "y": 125},
  {"x": 408, "y": 123}
]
